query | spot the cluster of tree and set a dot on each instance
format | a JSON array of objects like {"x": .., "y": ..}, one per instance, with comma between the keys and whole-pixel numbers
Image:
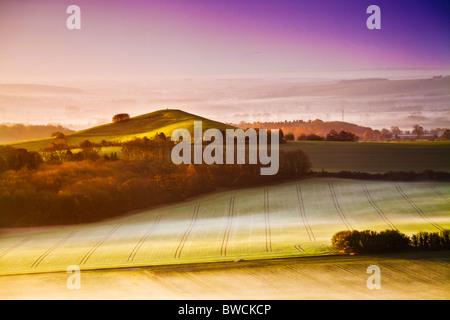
[
  {"x": 158, "y": 148},
  {"x": 15, "y": 159},
  {"x": 310, "y": 137},
  {"x": 431, "y": 240},
  {"x": 368, "y": 241},
  {"x": 333, "y": 135},
  {"x": 59, "y": 151},
  {"x": 81, "y": 191},
  {"x": 17, "y": 132},
  {"x": 301, "y": 128},
  {"x": 395, "y": 134},
  {"x": 316, "y": 130},
  {"x": 120, "y": 117}
]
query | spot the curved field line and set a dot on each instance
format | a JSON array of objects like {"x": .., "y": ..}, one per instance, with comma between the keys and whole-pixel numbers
[
  {"x": 15, "y": 246},
  {"x": 165, "y": 283},
  {"x": 418, "y": 210},
  {"x": 440, "y": 194},
  {"x": 226, "y": 234},
  {"x": 411, "y": 274},
  {"x": 377, "y": 209},
  {"x": 267, "y": 221},
  {"x": 98, "y": 244},
  {"x": 303, "y": 214},
  {"x": 187, "y": 232},
  {"x": 144, "y": 238},
  {"x": 324, "y": 284},
  {"x": 266, "y": 281},
  {"x": 42, "y": 256},
  {"x": 338, "y": 207}
]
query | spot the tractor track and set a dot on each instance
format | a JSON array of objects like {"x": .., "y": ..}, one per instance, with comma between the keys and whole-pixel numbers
[
  {"x": 226, "y": 234},
  {"x": 15, "y": 246},
  {"x": 303, "y": 215},
  {"x": 186, "y": 234},
  {"x": 267, "y": 221},
  {"x": 47, "y": 252},
  {"x": 88, "y": 255},
  {"x": 377, "y": 209},
  {"x": 144, "y": 238},
  {"x": 418, "y": 210},
  {"x": 440, "y": 194},
  {"x": 338, "y": 207}
]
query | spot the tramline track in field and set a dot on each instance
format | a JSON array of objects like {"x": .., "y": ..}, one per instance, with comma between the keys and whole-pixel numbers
[
  {"x": 377, "y": 209},
  {"x": 338, "y": 207},
  {"x": 440, "y": 194},
  {"x": 418, "y": 210},
  {"x": 303, "y": 214},
  {"x": 267, "y": 221},
  {"x": 15, "y": 246},
  {"x": 144, "y": 238},
  {"x": 46, "y": 253},
  {"x": 226, "y": 234},
  {"x": 187, "y": 232},
  {"x": 88, "y": 255}
]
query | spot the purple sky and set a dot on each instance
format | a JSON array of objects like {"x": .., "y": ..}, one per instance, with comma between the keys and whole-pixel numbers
[{"x": 165, "y": 37}]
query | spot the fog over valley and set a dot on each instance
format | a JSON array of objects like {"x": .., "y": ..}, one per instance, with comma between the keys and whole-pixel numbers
[{"x": 373, "y": 102}]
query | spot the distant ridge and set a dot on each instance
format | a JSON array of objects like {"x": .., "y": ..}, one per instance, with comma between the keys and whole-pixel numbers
[
  {"x": 363, "y": 80},
  {"x": 36, "y": 88}
]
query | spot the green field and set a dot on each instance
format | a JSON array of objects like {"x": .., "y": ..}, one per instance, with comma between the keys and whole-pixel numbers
[
  {"x": 375, "y": 157},
  {"x": 295, "y": 219}
]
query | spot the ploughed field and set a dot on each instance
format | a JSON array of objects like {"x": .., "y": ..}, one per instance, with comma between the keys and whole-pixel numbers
[
  {"x": 421, "y": 275},
  {"x": 292, "y": 219}
]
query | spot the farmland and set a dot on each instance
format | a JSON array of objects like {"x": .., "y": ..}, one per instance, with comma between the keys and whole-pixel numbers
[
  {"x": 375, "y": 157},
  {"x": 404, "y": 276},
  {"x": 294, "y": 219}
]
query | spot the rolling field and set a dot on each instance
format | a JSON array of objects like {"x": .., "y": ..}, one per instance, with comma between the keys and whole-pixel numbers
[
  {"x": 403, "y": 276},
  {"x": 295, "y": 219}
]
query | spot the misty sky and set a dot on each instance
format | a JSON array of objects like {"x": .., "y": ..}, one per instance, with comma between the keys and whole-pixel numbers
[
  {"x": 127, "y": 53},
  {"x": 195, "y": 37}
]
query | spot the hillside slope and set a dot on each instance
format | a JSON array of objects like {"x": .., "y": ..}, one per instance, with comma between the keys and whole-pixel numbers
[{"x": 148, "y": 125}]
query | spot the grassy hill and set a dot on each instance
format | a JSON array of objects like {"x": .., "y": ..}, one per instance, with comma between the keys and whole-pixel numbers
[{"x": 149, "y": 124}]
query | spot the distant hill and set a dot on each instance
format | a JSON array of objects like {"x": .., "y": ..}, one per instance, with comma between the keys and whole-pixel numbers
[
  {"x": 15, "y": 132},
  {"x": 372, "y": 87},
  {"x": 148, "y": 125},
  {"x": 22, "y": 88},
  {"x": 319, "y": 127}
]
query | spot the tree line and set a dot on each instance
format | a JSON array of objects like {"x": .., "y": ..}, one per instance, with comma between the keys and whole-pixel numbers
[
  {"x": 318, "y": 130},
  {"x": 39, "y": 190},
  {"x": 369, "y": 241}
]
